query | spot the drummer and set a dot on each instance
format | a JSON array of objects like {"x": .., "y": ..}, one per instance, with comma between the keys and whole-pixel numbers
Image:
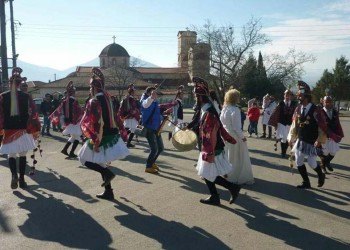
[{"x": 177, "y": 114}]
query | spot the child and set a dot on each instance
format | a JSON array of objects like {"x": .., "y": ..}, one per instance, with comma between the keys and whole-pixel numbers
[{"x": 253, "y": 115}]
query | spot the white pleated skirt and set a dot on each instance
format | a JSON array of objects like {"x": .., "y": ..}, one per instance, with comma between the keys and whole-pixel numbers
[
  {"x": 210, "y": 171},
  {"x": 24, "y": 143},
  {"x": 131, "y": 124},
  {"x": 116, "y": 152},
  {"x": 330, "y": 147},
  {"x": 282, "y": 132},
  {"x": 72, "y": 129}
]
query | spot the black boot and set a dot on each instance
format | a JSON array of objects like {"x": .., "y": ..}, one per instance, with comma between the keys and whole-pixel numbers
[
  {"x": 128, "y": 144},
  {"x": 64, "y": 150},
  {"x": 75, "y": 145},
  {"x": 323, "y": 164},
  {"x": 321, "y": 176},
  {"x": 233, "y": 188},
  {"x": 306, "y": 181},
  {"x": 106, "y": 195},
  {"x": 328, "y": 160},
  {"x": 22, "y": 170},
  {"x": 13, "y": 168},
  {"x": 284, "y": 147},
  {"x": 108, "y": 176},
  {"x": 269, "y": 128},
  {"x": 213, "y": 199},
  {"x": 264, "y": 132}
]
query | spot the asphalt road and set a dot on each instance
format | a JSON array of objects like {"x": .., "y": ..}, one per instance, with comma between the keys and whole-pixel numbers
[{"x": 59, "y": 209}]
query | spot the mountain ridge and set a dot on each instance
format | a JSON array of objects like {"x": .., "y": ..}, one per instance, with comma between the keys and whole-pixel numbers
[{"x": 46, "y": 74}]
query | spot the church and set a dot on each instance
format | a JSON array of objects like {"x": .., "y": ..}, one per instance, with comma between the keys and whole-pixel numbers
[{"x": 119, "y": 72}]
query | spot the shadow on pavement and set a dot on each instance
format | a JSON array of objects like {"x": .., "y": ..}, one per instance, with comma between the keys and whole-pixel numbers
[
  {"x": 266, "y": 220},
  {"x": 49, "y": 219},
  {"x": 308, "y": 198},
  {"x": 170, "y": 234}
]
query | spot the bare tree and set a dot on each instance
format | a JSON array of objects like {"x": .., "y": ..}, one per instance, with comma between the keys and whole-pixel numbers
[
  {"x": 287, "y": 68},
  {"x": 230, "y": 51},
  {"x": 120, "y": 77}
]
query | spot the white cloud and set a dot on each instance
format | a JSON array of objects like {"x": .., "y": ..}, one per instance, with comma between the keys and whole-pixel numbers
[{"x": 337, "y": 6}]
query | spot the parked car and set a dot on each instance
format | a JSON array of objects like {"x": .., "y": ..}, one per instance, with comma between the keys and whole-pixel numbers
[
  {"x": 342, "y": 108},
  {"x": 38, "y": 102}
]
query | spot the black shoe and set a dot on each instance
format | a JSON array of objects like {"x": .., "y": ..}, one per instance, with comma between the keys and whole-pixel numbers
[
  {"x": 14, "y": 182},
  {"x": 329, "y": 167},
  {"x": 108, "y": 177},
  {"x": 321, "y": 180},
  {"x": 72, "y": 155},
  {"x": 48, "y": 134},
  {"x": 234, "y": 190},
  {"x": 211, "y": 200},
  {"x": 22, "y": 183},
  {"x": 129, "y": 145},
  {"x": 304, "y": 185},
  {"x": 106, "y": 195},
  {"x": 263, "y": 136},
  {"x": 55, "y": 129},
  {"x": 65, "y": 152}
]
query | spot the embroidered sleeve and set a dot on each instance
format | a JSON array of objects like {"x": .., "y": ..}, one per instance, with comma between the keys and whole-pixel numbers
[{"x": 92, "y": 121}]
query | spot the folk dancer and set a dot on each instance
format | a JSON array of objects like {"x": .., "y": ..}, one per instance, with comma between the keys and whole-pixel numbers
[
  {"x": 130, "y": 113},
  {"x": 72, "y": 112},
  {"x": 20, "y": 126},
  {"x": 334, "y": 134},
  {"x": 268, "y": 106},
  {"x": 106, "y": 134},
  {"x": 281, "y": 119},
  {"x": 152, "y": 120},
  {"x": 212, "y": 163},
  {"x": 306, "y": 135},
  {"x": 177, "y": 114},
  {"x": 46, "y": 110}
]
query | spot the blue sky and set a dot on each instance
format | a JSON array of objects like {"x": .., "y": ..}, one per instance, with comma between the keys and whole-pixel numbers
[{"x": 62, "y": 34}]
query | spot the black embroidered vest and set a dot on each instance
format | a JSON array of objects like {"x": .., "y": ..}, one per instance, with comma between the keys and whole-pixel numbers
[
  {"x": 308, "y": 128},
  {"x": 18, "y": 121},
  {"x": 107, "y": 130},
  {"x": 286, "y": 113}
]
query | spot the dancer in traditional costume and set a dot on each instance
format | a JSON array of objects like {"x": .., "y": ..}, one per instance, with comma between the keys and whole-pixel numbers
[
  {"x": 105, "y": 132},
  {"x": 20, "y": 125},
  {"x": 130, "y": 113},
  {"x": 72, "y": 112},
  {"x": 334, "y": 134},
  {"x": 269, "y": 105},
  {"x": 237, "y": 154},
  {"x": 281, "y": 119},
  {"x": 307, "y": 133},
  {"x": 177, "y": 113},
  {"x": 212, "y": 163}
]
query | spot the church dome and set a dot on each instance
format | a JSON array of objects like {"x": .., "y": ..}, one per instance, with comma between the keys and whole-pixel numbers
[{"x": 114, "y": 50}]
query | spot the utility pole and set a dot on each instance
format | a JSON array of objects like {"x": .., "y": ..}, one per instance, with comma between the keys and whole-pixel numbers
[
  {"x": 4, "y": 64},
  {"x": 14, "y": 56}
]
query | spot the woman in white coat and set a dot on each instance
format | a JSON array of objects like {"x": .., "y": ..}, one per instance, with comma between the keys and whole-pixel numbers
[{"x": 238, "y": 153}]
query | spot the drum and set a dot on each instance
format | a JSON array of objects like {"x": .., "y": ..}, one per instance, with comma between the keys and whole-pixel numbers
[{"x": 184, "y": 140}]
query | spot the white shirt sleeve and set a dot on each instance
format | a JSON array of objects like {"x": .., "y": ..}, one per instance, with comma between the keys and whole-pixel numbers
[
  {"x": 237, "y": 122},
  {"x": 146, "y": 103}
]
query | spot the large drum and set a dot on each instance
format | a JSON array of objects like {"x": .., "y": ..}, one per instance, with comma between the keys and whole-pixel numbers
[{"x": 184, "y": 140}]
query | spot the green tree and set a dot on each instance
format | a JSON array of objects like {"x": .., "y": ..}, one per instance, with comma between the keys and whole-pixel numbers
[
  {"x": 325, "y": 83},
  {"x": 340, "y": 88}
]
